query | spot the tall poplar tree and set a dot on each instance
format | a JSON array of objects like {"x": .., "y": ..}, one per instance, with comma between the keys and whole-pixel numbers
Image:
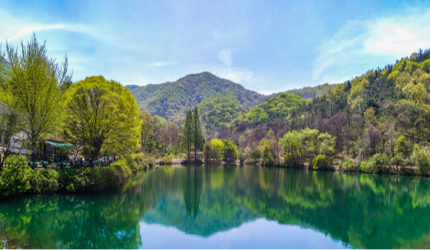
[
  {"x": 187, "y": 134},
  {"x": 198, "y": 137}
]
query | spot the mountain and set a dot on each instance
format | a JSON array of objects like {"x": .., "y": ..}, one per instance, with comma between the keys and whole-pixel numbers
[
  {"x": 171, "y": 99},
  {"x": 271, "y": 111},
  {"x": 380, "y": 103},
  {"x": 219, "y": 110},
  {"x": 312, "y": 92}
]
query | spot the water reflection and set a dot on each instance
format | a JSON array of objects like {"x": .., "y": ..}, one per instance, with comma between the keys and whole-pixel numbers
[
  {"x": 362, "y": 211},
  {"x": 192, "y": 184}
]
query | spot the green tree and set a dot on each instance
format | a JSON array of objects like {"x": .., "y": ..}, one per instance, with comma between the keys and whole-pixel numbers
[
  {"x": 217, "y": 148},
  {"x": 147, "y": 131},
  {"x": 326, "y": 143},
  {"x": 187, "y": 134},
  {"x": 256, "y": 154},
  {"x": 109, "y": 115},
  {"x": 207, "y": 150},
  {"x": 292, "y": 144},
  {"x": 266, "y": 152},
  {"x": 230, "y": 150},
  {"x": 34, "y": 88},
  {"x": 198, "y": 136}
]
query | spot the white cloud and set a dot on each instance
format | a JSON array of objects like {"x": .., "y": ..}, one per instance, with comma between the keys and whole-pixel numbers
[
  {"x": 15, "y": 28},
  {"x": 28, "y": 30},
  {"x": 237, "y": 75},
  {"x": 160, "y": 64},
  {"x": 360, "y": 45},
  {"x": 225, "y": 56}
]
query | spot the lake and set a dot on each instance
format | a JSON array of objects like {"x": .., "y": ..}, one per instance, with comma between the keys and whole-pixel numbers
[{"x": 228, "y": 207}]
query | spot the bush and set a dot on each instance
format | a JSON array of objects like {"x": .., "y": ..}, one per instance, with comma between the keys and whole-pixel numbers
[
  {"x": 350, "y": 165},
  {"x": 45, "y": 181},
  {"x": 366, "y": 166},
  {"x": 168, "y": 159},
  {"x": 74, "y": 179},
  {"x": 18, "y": 178},
  {"x": 15, "y": 176},
  {"x": 290, "y": 162},
  {"x": 322, "y": 162},
  {"x": 124, "y": 170},
  {"x": 132, "y": 161},
  {"x": 422, "y": 157},
  {"x": 380, "y": 162}
]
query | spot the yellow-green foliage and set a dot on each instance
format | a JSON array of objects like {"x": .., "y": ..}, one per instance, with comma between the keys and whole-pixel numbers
[
  {"x": 15, "y": 176},
  {"x": 44, "y": 181},
  {"x": 358, "y": 85},
  {"x": 168, "y": 159},
  {"x": 220, "y": 109},
  {"x": 422, "y": 157},
  {"x": 350, "y": 165},
  {"x": 112, "y": 124},
  {"x": 321, "y": 162},
  {"x": 274, "y": 108},
  {"x": 366, "y": 166}
]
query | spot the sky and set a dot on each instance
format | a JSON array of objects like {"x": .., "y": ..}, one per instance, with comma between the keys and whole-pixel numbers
[{"x": 267, "y": 46}]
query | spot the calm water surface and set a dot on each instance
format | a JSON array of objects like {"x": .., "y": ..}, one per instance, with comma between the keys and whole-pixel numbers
[{"x": 228, "y": 207}]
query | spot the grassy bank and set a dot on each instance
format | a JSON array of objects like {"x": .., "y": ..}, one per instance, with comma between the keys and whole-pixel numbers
[{"x": 17, "y": 178}]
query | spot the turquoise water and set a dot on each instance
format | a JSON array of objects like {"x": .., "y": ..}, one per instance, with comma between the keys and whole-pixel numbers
[{"x": 228, "y": 207}]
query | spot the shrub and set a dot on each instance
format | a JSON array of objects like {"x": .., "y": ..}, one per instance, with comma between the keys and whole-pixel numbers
[
  {"x": 132, "y": 162},
  {"x": 124, "y": 170},
  {"x": 168, "y": 159},
  {"x": 74, "y": 179},
  {"x": 322, "y": 162},
  {"x": 291, "y": 162},
  {"x": 350, "y": 165},
  {"x": 45, "y": 181},
  {"x": 15, "y": 176},
  {"x": 366, "y": 166},
  {"x": 380, "y": 162},
  {"x": 422, "y": 156}
]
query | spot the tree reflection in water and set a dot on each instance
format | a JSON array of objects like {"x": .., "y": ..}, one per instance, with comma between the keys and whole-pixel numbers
[{"x": 369, "y": 211}]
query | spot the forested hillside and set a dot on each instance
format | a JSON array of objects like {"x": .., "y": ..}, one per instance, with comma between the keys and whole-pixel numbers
[
  {"x": 171, "y": 99},
  {"x": 312, "y": 92},
  {"x": 380, "y": 114},
  {"x": 219, "y": 110}
]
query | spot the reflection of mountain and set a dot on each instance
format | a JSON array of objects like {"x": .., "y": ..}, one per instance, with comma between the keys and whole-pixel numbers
[
  {"x": 172, "y": 212},
  {"x": 214, "y": 211},
  {"x": 362, "y": 211}
]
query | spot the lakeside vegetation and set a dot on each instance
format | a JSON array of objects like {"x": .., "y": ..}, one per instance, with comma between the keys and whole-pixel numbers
[{"x": 376, "y": 123}]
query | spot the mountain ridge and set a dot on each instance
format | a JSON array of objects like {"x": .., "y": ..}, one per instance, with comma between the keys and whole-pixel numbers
[{"x": 171, "y": 99}]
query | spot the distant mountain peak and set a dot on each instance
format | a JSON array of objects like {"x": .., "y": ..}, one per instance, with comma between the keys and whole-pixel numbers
[{"x": 171, "y": 99}]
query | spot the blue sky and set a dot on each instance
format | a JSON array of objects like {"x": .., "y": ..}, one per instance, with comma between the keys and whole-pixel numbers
[{"x": 267, "y": 46}]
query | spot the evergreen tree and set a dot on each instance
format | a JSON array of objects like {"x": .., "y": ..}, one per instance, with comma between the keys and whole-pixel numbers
[
  {"x": 198, "y": 137},
  {"x": 187, "y": 134}
]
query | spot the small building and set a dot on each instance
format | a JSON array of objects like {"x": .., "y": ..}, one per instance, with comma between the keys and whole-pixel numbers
[
  {"x": 56, "y": 148},
  {"x": 200, "y": 155}
]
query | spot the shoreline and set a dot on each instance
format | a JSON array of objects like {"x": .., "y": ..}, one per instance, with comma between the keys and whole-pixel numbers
[{"x": 407, "y": 171}]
